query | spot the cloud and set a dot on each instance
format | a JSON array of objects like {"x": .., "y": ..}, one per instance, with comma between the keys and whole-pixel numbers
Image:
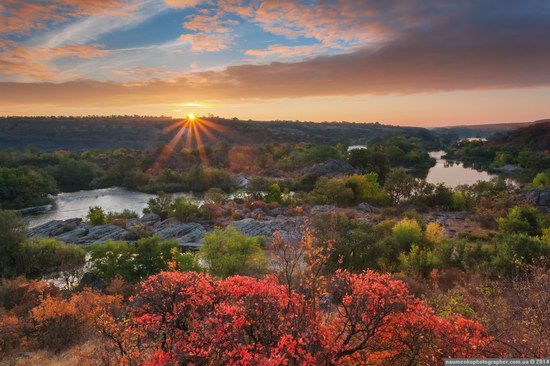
[
  {"x": 283, "y": 51},
  {"x": 333, "y": 23},
  {"x": 465, "y": 45},
  {"x": 31, "y": 62},
  {"x": 80, "y": 51},
  {"x": 208, "y": 23},
  {"x": 182, "y": 4},
  {"x": 25, "y": 16},
  {"x": 206, "y": 42},
  {"x": 213, "y": 31}
]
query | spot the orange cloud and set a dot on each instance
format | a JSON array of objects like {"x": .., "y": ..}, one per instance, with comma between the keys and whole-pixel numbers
[
  {"x": 80, "y": 51},
  {"x": 358, "y": 22},
  {"x": 206, "y": 42},
  {"x": 24, "y": 16},
  {"x": 286, "y": 51},
  {"x": 30, "y": 62},
  {"x": 182, "y": 4},
  {"x": 208, "y": 23}
]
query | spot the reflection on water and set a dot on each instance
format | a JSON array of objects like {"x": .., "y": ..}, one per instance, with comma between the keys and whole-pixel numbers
[
  {"x": 453, "y": 173},
  {"x": 356, "y": 147},
  {"x": 76, "y": 204}
]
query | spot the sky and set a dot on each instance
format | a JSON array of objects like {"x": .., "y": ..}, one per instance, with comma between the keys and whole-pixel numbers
[{"x": 405, "y": 62}]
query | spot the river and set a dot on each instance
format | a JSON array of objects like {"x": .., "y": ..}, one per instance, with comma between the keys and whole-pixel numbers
[
  {"x": 452, "y": 173},
  {"x": 76, "y": 204}
]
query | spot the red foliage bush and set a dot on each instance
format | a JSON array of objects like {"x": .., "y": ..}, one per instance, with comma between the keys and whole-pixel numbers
[{"x": 366, "y": 318}]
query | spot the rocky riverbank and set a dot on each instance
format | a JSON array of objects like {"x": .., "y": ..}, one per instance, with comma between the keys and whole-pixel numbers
[
  {"x": 188, "y": 235},
  {"x": 255, "y": 218}
]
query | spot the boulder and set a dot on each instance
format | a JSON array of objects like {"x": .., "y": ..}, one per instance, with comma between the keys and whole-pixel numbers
[
  {"x": 363, "y": 206},
  {"x": 150, "y": 218},
  {"x": 182, "y": 232},
  {"x": 74, "y": 235},
  {"x": 538, "y": 197},
  {"x": 241, "y": 181},
  {"x": 321, "y": 209},
  {"x": 289, "y": 228},
  {"x": 102, "y": 233},
  {"x": 330, "y": 168},
  {"x": 544, "y": 198},
  {"x": 54, "y": 228}
]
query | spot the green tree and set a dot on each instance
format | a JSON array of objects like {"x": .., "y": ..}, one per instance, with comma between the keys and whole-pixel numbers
[
  {"x": 517, "y": 251},
  {"x": 419, "y": 261},
  {"x": 12, "y": 232},
  {"x": 44, "y": 256},
  {"x": 124, "y": 214},
  {"x": 521, "y": 220},
  {"x": 331, "y": 191},
  {"x": 407, "y": 232},
  {"x": 133, "y": 262},
  {"x": 153, "y": 256},
  {"x": 160, "y": 205},
  {"x": 370, "y": 161},
  {"x": 365, "y": 188},
  {"x": 96, "y": 216},
  {"x": 229, "y": 252},
  {"x": 274, "y": 194},
  {"x": 399, "y": 185},
  {"x": 542, "y": 179},
  {"x": 73, "y": 175},
  {"x": 183, "y": 209},
  {"x": 503, "y": 158},
  {"x": 23, "y": 187}
]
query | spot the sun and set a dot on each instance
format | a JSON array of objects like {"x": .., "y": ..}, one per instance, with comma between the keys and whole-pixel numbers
[{"x": 191, "y": 117}]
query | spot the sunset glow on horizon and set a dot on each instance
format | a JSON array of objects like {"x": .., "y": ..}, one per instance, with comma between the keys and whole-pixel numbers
[{"x": 396, "y": 62}]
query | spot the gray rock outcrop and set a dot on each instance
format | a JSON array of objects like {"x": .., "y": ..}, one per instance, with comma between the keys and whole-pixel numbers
[
  {"x": 288, "y": 228},
  {"x": 539, "y": 197},
  {"x": 330, "y": 168},
  {"x": 77, "y": 232}
]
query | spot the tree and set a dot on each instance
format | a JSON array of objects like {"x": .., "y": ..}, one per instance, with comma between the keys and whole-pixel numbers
[
  {"x": 22, "y": 187},
  {"x": 434, "y": 233},
  {"x": 542, "y": 179},
  {"x": 132, "y": 262},
  {"x": 73, "y": 175},
  {"x": 229, "y": 252},
  {"x": 407, "y": 232},
  {"x": 365, "y": 188},
  {"x": 399, "y": 185},
  {"x": 331, "y": 191},
  {"x": 370, "y": 161},
  {"x": 419, "y": 261},
  {"x": 516, "y": 251},
  {"x": 96, "y": 216},
  {"x": 113, "y": 259},
  {"x": 160, "y": 205},
  {"x": 183, "y": 209},
  {"x": 43, "y": 256},
  {"x": 12, "y": 232},
  {"x": 521, "y": 220},
  {"x": 274, "y": 194}
]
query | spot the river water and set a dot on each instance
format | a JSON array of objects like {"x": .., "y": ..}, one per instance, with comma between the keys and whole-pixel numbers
[
  {"x": 76, "y": 204},
  {"x": 452, "y": 173}
]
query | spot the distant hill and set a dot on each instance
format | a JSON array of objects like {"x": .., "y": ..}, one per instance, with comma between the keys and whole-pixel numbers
[
  {"x": 83, "y": 133},
  {"x": 535, "y": 135},
  {"x": 487, "y": 130}
]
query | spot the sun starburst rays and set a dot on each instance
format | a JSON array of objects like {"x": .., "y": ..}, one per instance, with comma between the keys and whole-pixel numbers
[{"x": 191, "y": 132}]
